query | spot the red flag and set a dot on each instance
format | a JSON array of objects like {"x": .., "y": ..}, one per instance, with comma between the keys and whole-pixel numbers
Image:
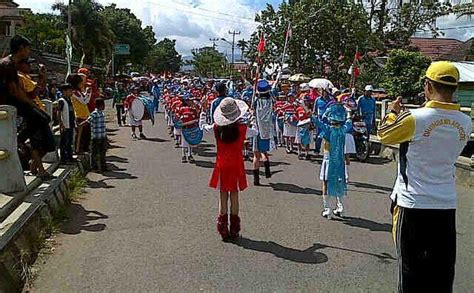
[
  {"x": 357, "y": 56},
  {"x": 356, "y": 71},
  {"x": 261, "y": 45}
]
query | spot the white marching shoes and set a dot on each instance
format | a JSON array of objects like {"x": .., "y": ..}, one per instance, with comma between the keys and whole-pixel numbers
[
  {"x": 326, "y": 213},
  {"x": 338, "y": 211}
]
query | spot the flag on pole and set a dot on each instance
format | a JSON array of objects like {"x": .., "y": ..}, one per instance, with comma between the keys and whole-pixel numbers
[
  {"x": 289, "y": 32},
  {"x": 357, "y": 56},
  {"x": 261, "y": 44},
  {"x": 81, "y": 64},
  {"x": 68, "y": 55}
]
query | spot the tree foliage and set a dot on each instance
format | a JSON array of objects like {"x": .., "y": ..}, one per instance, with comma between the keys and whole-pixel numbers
[
  {"x": 164, "y": 57},
  {"x": 207, "y": 61},
  {"x": 327, "y": 33},
  {"x": 91, "y": 33},
  {"x": 127, "y": 29},
  {"x": 403, "y": 72},
  {"x": 45, "y": 30}
]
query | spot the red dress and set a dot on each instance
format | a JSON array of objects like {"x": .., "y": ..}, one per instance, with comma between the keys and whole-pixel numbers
[{"x": 229, "y": 172}]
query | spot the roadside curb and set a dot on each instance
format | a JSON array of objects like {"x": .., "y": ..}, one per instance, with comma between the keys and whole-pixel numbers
[{"x": 22, "y": 230}]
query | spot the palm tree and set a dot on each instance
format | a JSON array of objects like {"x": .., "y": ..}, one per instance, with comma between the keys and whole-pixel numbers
[
  {"x": 243, "y": 46},
  {"x": 91, "y": 34}
]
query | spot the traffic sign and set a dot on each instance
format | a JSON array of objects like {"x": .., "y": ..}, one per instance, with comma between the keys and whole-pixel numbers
[{"x": 122, "y": 49}]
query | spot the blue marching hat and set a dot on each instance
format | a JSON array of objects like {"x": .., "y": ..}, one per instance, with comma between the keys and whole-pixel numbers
[
  {"x": 336, "y": 113},
  {"x": 263, "y": 86}
]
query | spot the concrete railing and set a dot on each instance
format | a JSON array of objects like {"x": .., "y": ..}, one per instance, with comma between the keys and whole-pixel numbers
[{"x": 12, "y": 178}]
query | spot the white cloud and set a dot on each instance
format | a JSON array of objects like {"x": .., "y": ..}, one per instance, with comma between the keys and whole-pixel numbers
[{"x": 191, "y": 22}]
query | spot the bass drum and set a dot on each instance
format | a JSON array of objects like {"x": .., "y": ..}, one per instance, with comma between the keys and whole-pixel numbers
[{"x": 137, "y": 110}]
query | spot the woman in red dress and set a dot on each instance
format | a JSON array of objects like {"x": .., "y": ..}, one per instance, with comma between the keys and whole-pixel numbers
[{"x": 229, "y": 172}]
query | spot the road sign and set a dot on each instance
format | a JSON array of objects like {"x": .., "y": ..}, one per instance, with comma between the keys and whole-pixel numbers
[{"x": 122, "y": 49}]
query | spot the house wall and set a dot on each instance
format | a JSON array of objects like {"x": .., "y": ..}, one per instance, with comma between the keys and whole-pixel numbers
[{"x": 465, "y": 94}]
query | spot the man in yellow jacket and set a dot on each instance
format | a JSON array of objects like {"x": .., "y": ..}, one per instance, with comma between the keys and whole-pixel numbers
[{"x": 424, "y": 196}]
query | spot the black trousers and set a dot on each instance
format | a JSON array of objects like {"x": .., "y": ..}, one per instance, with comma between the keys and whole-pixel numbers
[
  {"x": 98, "y": 153},
  {"x": 120, "y": 110},
  {"x": 65, "y": 149},
  {"x": 426, "y": 248}
]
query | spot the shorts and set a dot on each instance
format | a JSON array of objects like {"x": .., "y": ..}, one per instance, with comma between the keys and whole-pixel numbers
[
  {"x": 289, "y": 130},
  {"x": 41, "y": 138},
  {"x": 261, "y": 145},
  {"x": 350, "y": 147},
  {"x": 323, "y": 173},
  {"x": 133, "y": 122}
]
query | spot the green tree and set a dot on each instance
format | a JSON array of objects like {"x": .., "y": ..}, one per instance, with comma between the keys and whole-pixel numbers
[
  {"x": 403, "y": 73},
  {"x": 207, "y": 61},
  {"x": 325, "y": 36},
  {"x": 127, "y": 29},
  {"x": 91, "y": 33},
  {"x": 163, "y": 57},
  {"x": 45, "y": 30},
  {"x": 243, "y": 46}
]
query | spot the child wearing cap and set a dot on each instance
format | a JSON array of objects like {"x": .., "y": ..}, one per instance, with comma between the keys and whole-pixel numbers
[
  {"x": 229, "y": 172},
  {"x": 66, "y": 123}
]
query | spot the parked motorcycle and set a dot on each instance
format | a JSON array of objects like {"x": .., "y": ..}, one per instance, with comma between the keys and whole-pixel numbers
[{"x": 361, "y": 138}]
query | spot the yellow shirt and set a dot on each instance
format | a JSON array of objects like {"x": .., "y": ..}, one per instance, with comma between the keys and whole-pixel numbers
[
  {"x": 29, "y": 85},
  {"x": 79, "y": 103}
]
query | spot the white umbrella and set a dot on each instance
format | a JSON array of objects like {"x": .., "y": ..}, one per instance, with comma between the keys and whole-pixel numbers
[
  {"x": 321, "y": 83},
  {"x": 300, "y": 77}
]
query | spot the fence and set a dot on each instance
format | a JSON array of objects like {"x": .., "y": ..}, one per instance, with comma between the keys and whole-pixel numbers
[{"x": 13, "y": 178}]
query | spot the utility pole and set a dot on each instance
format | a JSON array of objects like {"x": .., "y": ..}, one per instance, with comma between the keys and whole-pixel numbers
[
  {"x": 214, "y": 41},
  {"x": 233, "y": 33}
]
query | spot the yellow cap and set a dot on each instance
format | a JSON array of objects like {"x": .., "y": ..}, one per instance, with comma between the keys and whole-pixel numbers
[{"x": 443, "y": 72}]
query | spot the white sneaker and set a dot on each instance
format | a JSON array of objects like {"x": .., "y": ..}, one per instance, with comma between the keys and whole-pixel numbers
[
  {"x": 326, "y": 213},
  {"x": 339, "y": 210}
]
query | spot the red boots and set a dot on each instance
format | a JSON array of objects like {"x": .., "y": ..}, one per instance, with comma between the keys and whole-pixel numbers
[
  {"x": 223, "y": 226},
  {"x": 234, "y": 226}
]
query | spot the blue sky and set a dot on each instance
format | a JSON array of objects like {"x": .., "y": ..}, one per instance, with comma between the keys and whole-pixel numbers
[{"x": 193, "y": 22}]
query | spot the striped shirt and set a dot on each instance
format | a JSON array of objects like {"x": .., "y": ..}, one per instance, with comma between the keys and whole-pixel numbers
[{"x": 97, "y": 122}]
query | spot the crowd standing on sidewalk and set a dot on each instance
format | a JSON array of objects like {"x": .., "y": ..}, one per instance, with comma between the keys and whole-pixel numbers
[{"x": 251, "y": 120}]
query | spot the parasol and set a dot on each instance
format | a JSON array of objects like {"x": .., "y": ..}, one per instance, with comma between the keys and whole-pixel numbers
[
  {"x": 321, "y": 83},
  {"x": 300, "y": 77}
]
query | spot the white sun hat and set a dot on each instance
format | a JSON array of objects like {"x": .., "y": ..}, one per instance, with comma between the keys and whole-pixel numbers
[{"x": 229, "y": 111}]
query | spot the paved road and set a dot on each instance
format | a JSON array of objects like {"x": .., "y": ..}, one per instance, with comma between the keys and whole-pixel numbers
[{"x": 148, "y": 226}]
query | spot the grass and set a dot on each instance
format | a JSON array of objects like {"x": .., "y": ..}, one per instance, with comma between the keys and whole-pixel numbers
[
  {"x": 44, "y": 244},
  {"x": 75, "y": 185}
]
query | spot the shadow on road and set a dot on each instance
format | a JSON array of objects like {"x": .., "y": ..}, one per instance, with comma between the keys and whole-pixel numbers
[
  {"x": 377, "y": 161},
  {"x": 371, "y": 186},
  {"x": 292, "y": 188},
  {"x": 204, "y": 164},
  {"x": 156, "y": 139},
  {"x": 261, "y": 172},
  {"x": 113, "y": 173},
  {"x": 366, "y": 224},
  {"x": 114, "y": 158},
  {"x": 382, "y": 257},
  {"x": 80, "y": 220},
  {"x": 308, "y": 256}
]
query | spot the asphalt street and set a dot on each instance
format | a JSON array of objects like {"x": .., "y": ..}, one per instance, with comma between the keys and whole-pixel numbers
[{"x": 148, "y": 225}]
